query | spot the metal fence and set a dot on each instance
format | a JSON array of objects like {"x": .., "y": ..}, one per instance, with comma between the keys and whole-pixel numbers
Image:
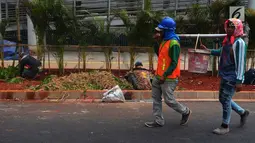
[{"x": 83, "y": 58}]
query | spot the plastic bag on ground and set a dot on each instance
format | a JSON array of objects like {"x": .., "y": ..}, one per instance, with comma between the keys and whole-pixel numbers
[{"x": 114, "y": 95}]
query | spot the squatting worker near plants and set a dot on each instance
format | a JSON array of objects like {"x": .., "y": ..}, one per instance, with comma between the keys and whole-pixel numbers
[
  {"x": 231, "y": 70},
  {"x": 32, "y": 65},
  {"x": 167, "y": 73}
]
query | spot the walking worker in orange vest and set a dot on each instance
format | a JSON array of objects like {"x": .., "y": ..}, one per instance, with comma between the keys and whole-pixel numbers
[{"x": 167, "y": 73}]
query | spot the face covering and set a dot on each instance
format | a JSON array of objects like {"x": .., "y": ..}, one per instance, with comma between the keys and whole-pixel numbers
[
  {"x": 170, "y": 35},
  {"x": 233, "y": 22}
]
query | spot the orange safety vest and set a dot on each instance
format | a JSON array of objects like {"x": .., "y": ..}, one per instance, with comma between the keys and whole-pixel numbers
[{"x": 164, "y": 60}]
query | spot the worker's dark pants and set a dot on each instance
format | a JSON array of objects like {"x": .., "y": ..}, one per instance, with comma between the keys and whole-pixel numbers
[{"x": 30, "y": 73}]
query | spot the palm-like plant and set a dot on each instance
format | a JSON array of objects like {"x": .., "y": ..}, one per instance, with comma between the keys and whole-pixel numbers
[
  {"x": 63, "y": 26},
  {"x": 250, "y": 16},
  {"x": 38, "y": 11},
  {"x": 217, "y": 15},
  {"x": 219, "y": 12},
  {"x": 42, "y": 13},
  {"x": 48, "y": 16},
  {"x": 3, "y": 26},
  {"x": 198, "y": 18},
  {"x": 140, "y": 31},
  {"x": 104, "y": 37}
]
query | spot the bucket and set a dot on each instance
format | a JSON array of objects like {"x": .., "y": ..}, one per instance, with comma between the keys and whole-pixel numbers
[{"x": 198, "y": 60}]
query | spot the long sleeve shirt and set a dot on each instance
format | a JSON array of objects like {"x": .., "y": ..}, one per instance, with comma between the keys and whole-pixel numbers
[{"x": 232, "y": 61}]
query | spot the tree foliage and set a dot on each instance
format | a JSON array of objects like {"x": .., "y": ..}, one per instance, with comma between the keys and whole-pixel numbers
[
  {"x": 54, "y": 18},
  {"x": 45, "y": 15},
  {"x": 198, "y": 17},
  {"x": 250, "y": 16},
  {"x": 3, "y": 26},
  {"x": 139, "y": 30}
]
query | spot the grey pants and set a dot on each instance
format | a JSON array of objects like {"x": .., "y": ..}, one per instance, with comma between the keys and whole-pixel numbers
[{"x": 167, "y": 90}]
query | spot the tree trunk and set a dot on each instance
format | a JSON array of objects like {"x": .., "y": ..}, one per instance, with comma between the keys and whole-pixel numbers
[
  {"x": 84, "y": 58},
  {"x": 214, "y": 66},
  {"x": 248, "y": 61},
  {"x": 44, "y": 49},
  {"x": 253, "y": 61},
  {"x": 40, "y": 43},
  {"x": 2, "y": 57},
  {"x": 132, "y": 57},
  {"x": 79, "y": 59},
  {"x": 60, "y": 54},
  {"x": 18, "y": 29},
  {"x": 107, "y": 52},
  {"x": 119, "y": 60},
  {"x": 2, "y": 53},
  {"x": 151, "y": 55},
  {"x": 49, "y": 49}
]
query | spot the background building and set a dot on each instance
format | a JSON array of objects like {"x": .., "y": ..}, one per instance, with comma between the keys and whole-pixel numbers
[{"x": 102, "y": 8}]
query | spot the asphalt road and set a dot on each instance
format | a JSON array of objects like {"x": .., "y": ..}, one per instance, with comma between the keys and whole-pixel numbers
[{"x": 115, "y": 123}]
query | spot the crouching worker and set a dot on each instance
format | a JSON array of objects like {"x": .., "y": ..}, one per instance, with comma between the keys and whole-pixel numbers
[
  {"x": 32, "y": 65},
  {"x": 139, "y": 77}
]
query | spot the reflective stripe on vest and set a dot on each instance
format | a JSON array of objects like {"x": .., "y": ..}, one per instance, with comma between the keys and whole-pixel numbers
[{"x": 164, "y": 60}]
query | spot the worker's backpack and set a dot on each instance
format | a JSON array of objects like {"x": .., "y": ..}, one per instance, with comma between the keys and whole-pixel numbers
[{"x": 249, "y": 77}]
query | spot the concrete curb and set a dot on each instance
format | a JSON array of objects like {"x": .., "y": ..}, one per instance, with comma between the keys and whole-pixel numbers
[{"x": 94, "y": 96}]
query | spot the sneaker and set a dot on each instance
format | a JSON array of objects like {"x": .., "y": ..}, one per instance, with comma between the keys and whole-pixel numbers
[
  {"x": 185, "y": 118},
  {"x": 221, "y": 131},
  {"x": 244, "y": 118},
  {"x": 152, "y": 124}
]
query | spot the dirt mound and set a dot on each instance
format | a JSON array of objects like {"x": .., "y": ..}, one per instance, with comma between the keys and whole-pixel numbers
[{"x": 83, "y": 81}]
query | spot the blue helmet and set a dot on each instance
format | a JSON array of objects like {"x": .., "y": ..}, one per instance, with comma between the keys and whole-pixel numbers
[
  {"x": 167, "y": 24},
  {"x": 138, "y": 63}
]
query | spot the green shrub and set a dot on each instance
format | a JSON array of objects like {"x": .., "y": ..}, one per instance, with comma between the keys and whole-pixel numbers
[{"x": 9, "y": 73}]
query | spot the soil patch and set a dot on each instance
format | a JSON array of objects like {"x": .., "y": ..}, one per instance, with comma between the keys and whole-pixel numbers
[
  {"x": 18, "y": 86},
  {"x": 188, "y": 81},
  {"x": 193, "y": 81}
]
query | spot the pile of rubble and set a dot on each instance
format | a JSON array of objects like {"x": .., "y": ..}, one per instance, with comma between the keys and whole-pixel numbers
[{"x": 96, "y": 80}]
